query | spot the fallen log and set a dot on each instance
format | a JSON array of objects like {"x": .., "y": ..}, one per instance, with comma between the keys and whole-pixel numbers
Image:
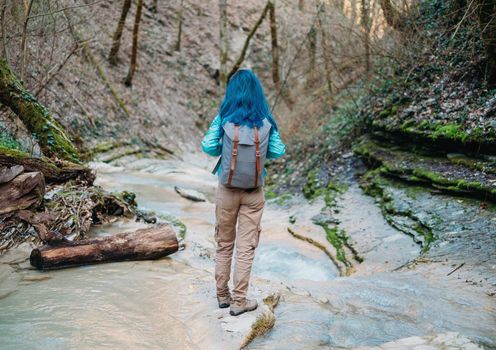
[
  {"x": 144, "y": 244},
  {"x": 54, "y": 172},
  {"x": 23, "y": 191}
]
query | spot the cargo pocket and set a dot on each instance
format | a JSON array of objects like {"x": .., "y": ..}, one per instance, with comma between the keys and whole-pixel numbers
[
  {"x": 256, "y": 239},
  {"x": 216, "y": 234}
]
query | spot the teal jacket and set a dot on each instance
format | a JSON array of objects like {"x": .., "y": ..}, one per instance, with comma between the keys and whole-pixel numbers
[{"x": 212, "y": 145}]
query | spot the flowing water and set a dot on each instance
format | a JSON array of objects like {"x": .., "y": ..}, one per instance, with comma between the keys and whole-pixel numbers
[{"x": 170, "y": 303}]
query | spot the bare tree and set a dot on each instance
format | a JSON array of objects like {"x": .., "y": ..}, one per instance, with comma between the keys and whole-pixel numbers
[
  {"x": 4, "y": 41},
  {"x": 326, "y": 49},
  {"x": 487, "y": 21},
  {"x": 242, "y": 55},
  {"x": 365, "y": 23},
  {"x": 353, "y": 5},
  {"x": 134, "y": 53},
  {"x": 312, "y": 52},
  {"x": 274, "y": 44},
  {"x": 116, "y": 40},
  {"x": 23, "y": 40},
  {"x": 224, "y": 43},
  {"x": 177, "y": 47},
  {"x": 301, "y": 5},
  {"x": 392, "y": 15}
]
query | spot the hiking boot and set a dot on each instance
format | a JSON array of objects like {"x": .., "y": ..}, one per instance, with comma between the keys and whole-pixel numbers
[
  {"x": 238, "y": 309},
  {"x": 224, "y": 301}
]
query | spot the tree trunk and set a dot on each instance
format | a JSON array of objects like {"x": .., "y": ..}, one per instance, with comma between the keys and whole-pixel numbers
[
  {"x": 23, "y": 40},
  {"x": 134, "y": 53},
  {"x": 301, "y": 5},
  {"x": 49, "y": 133},
  {"x": 312, "y": 48},
  {"x": 353, "y": 5},
  {"x": 53, "y": 173},
  {"x": 4, "y": 40},
  {"x": 326, "y": 50},
  {"x": 223, "y": 44},
  {"x": 275, "y": 46},
  {"x": 391, "y": 14},
  {"x": 116, "y": 40},
  {"x": 92, "y": 59},
  {"x": 179, "y": 27},
  {"x": 21, "y": 192},
  {"x": 487, "y": 21},
  {"x": 365, "y": 22},
  {"x": 242, "y": 55},
  {"x": 144, "y": 244}
]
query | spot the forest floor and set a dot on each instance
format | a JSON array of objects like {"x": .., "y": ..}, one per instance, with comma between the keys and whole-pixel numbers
[{"x": 382, "y": 288}]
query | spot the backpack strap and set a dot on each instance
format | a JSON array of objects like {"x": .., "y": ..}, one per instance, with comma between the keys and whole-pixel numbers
[
  {"x": 257, "y": 155},
  {"x": 234, "y": 154}
]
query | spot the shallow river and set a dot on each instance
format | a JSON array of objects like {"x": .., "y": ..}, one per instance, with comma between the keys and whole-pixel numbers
[{"x": 170, "y": 303}]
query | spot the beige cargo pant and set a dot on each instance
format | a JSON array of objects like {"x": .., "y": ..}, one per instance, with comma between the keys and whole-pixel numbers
[{"x": 244, "y": 207}]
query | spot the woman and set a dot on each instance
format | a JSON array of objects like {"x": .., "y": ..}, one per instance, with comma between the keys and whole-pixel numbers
[{"x": 244, "y": 133}]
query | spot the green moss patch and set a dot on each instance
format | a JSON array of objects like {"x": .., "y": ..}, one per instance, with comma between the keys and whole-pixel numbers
[
  {"x": 313, "y": 189},
  {"x": 437, "y": 172}
]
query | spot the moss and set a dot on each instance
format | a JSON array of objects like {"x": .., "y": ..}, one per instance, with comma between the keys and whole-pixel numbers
[
  {"x": 452, "y": 185},
  {"x": 13, "y": 152},
  {"x": 49, "y": 133},
  {"x": 269, "y": 194},
  {"x": 407, "y": 124},
  {"x": 279, "y": 199},
  {"x": 104, "y": 147},
  {"x": 8, "y": 142},
  {"x": 332, "y": 191},
  {"x": 424, "y": 124},
  {"x": 384, "y": 113},
  {"x": 283, "y": 199},
  {"x": 150, "y": 216},
  {"x": 417, "y": 168},
  {"x": 473, "y": 163},
  {"x": 128, "y": 197},
  {"x": 175, "y": 222},
  {"x": 320, "y": 246},
  {"x": 338, "y": 238},
  {"x": 312, "y": 188},
  {"x": 451, "y": 131}
]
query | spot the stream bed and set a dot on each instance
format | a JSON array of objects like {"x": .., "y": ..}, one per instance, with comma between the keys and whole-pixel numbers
[{"x": 170, "y": 303}]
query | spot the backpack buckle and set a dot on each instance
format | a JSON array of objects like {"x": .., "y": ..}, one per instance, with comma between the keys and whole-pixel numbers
[
  {"x": 257, "y": 154},
  {"x": 234, "y": 152}
]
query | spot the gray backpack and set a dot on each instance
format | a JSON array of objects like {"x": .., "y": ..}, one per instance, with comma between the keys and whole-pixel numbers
[{"x": 244, "y": 150}]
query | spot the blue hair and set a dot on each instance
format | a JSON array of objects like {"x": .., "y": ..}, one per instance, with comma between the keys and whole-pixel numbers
[{"x": 245, "y": 102}]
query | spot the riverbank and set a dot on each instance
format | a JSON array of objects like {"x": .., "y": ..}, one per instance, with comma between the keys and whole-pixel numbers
[{"x": 391, "y": 296}]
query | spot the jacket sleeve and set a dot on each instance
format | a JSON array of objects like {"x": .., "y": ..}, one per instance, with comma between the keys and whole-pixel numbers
[
  {"x": 276, "y": 147},
  {"x": 211, "y": 143}
]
